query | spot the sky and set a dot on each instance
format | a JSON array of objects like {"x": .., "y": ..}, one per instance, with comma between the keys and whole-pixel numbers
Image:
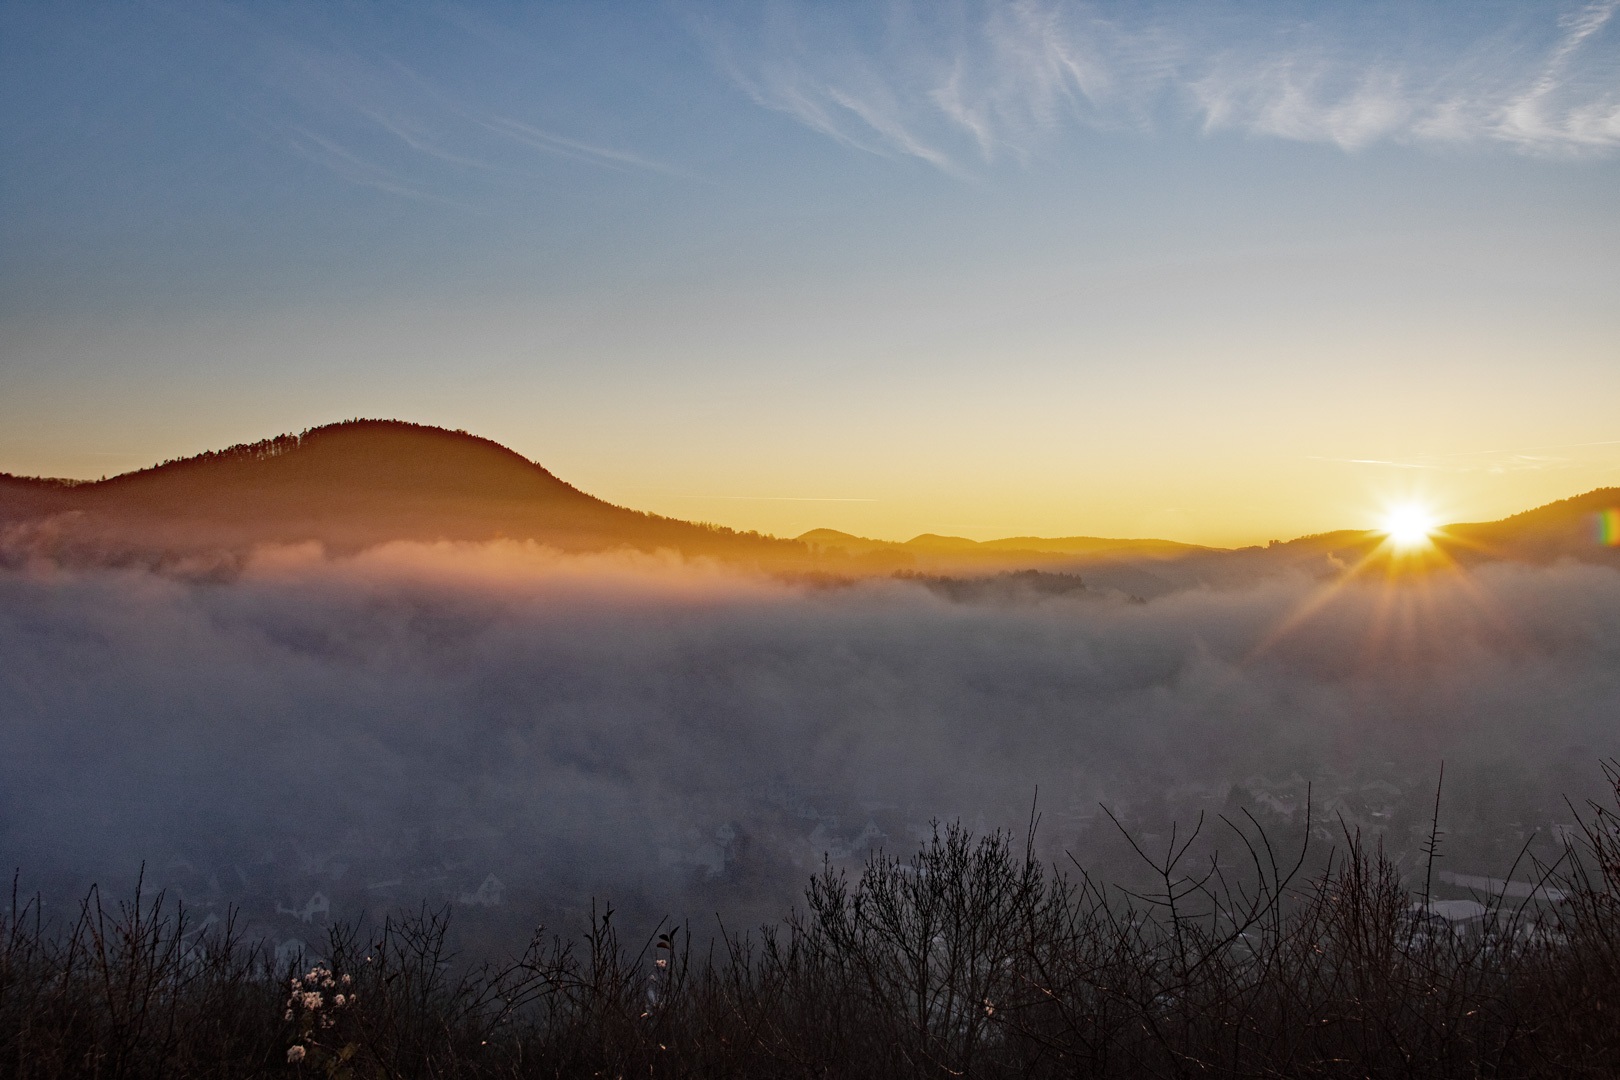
[{"x": 1221, "y": 273}]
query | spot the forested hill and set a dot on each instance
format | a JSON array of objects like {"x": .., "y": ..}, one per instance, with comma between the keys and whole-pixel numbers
[
  {"x": 360, "y": 483},
  {"x": 352, "y": 485}
]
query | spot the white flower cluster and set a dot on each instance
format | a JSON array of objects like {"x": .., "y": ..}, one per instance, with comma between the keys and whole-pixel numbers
[
  {"x": 309, "y": 992},
  {"x": 315, "y": 999}
]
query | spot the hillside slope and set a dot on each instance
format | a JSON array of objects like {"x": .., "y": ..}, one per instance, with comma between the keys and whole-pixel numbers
[
  {"x": 352, "y": 485},
  {"x": 356, "y": 484},
  {"x": 1567, "y": 529}
]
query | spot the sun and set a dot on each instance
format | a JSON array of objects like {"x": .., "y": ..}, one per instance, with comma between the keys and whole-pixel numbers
[{"x": 1409, "y": 526}]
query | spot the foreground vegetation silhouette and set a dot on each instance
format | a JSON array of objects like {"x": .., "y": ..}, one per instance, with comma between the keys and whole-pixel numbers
[{"x": 971, "y": 958}]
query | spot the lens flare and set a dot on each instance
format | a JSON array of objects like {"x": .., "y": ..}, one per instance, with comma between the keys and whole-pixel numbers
[
  {"x": 1409, "y": 526},
  {"x": 1608, "y": 527}
]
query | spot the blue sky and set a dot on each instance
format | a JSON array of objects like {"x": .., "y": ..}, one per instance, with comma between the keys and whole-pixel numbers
[{"x": 1215, "y": 272}]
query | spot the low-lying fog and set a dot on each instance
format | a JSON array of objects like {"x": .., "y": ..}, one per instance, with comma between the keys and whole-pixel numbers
[{"x": 513, "y": 731}]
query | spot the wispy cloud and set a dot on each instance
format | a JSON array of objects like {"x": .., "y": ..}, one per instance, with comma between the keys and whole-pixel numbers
[
  {"x": 1543, "y": 113},
  {"x": 998, "y": 79},
  {"x": 1287, "y": 99},
  {"x": 552, "y": 143},
  {"x": 777, "y": 498},
  {"x": 858, "y": 109},
  {"x": 358, "y": 170},
  {"x": 377, "y": 122},
  {"x": 1500, "y": 460}
]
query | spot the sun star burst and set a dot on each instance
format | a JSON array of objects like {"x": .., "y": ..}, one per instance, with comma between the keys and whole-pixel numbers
[{"x": 1409, "y": 526}]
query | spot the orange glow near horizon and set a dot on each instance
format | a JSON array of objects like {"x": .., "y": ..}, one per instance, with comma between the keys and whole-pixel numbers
[{"x": 894, "y": 491}]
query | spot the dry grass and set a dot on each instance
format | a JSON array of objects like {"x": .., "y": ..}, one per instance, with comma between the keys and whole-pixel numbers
[{"x": 972, "y": 958}]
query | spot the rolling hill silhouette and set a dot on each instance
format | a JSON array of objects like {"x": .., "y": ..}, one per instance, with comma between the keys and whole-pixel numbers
[
  {"x": 353, "y": 485},
  {"x": 1562, "y": 530},
  {"x": 356, "y": 484}
]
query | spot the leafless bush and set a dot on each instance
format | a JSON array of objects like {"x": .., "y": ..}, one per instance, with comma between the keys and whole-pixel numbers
[
  {"x": 971, "y": 958},
  {"x": 137, "y": 991}
]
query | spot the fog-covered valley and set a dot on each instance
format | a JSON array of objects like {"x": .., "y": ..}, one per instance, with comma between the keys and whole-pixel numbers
[{"x": 514, "y": 732}]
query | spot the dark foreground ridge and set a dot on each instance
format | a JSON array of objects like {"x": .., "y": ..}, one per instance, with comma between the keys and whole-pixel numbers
[
  {"x": 357, "y": 484},
  {"x": 968, "y": 960}
]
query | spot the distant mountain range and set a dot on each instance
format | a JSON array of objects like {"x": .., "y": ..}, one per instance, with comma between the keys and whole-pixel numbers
[{"x": 356, "y": 484}]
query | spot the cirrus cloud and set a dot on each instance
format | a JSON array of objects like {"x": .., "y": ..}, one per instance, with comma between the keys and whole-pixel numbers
[{"x": 997, "y": 80}]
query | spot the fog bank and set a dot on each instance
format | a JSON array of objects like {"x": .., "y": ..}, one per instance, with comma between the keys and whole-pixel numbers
[{"x": 514, "y": 731}]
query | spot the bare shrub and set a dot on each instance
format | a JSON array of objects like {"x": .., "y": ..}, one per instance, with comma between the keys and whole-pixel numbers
[{"x": 971, "y": 958}]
